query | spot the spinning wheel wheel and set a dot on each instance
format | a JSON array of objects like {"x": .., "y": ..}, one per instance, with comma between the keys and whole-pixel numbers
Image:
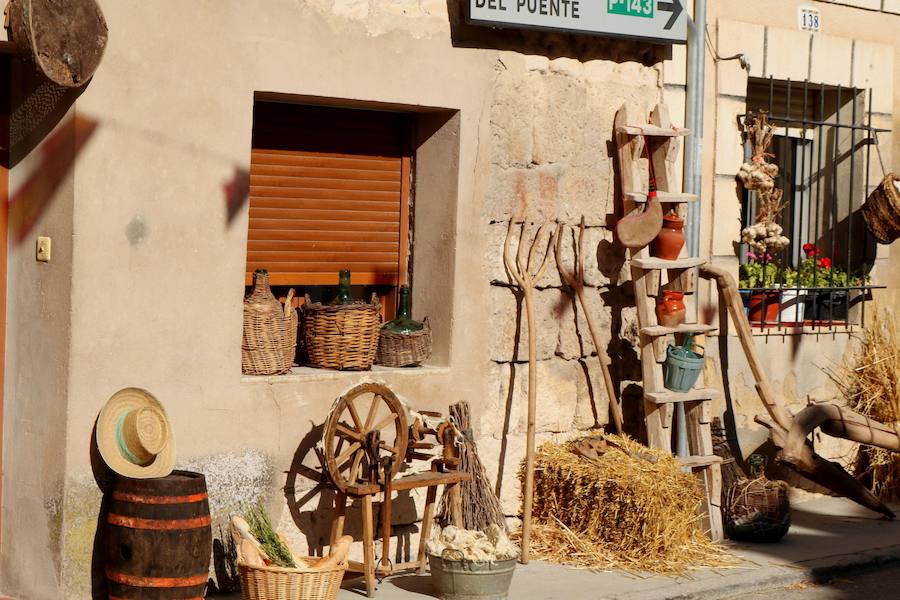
[{"x": 365, "y": 437}]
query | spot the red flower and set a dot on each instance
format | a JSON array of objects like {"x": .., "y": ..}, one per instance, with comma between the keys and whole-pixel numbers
[
  {"x": 825, "y": 262},
  {"x": 810, "y": 249}
]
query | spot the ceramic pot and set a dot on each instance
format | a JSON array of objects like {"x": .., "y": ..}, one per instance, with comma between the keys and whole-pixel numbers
[
  {"x": 793, "y": 305},
  {"x": 670, "y": 240},
  {"x": 764, "y": 307},
  {"x": 670, "y": 311}
]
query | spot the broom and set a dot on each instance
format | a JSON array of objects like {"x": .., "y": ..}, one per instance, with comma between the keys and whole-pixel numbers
[{"x": 480, "y": 505}]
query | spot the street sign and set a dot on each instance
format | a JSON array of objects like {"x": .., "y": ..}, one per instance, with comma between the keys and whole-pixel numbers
[{"x": 661, "y": 21}]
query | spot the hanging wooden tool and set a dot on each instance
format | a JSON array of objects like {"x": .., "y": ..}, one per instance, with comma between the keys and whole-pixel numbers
[
  {"x": 575, "y": 280},
  {"x": 639, "y": 227},
  {"x": 64, "y": 40},
  {"x": 526, "y": 274}
]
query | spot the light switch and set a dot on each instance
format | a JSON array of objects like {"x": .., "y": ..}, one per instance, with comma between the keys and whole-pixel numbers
[{"x": 43, "y": 249}]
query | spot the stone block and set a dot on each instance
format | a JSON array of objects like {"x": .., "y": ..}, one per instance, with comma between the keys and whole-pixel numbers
[
  {"x": 675, "y": 69},
  {"x": 727, "y": 215},
  {"x": 598, "y": 265},
  {"x": 530, "y": 194},
  {"x": 560, "y": 103},
  {"x": 567, "y": 66},
  {"x": 535, "y": 62},
  {"x": 557, "y": 396},
  {"x": 729, "y": 145},
  {"x": 787, "y": 54},
  {"x": 351, "y": 9},
  {"x": 494, "y": 267},
  {"x": 735, "y": 37},
  {"x": 509, "y": 324},
  {"x": 873, "y": 68},
  {"x": 512, "y": 119},
  {"x": 868, "y": 4},
  {"x": 892, "y": 6},
  {"x": 592, "y": 409},
  {"x": 574, "y": 335},
  {"x": 832, "y": 59},
  {"x": 587, "y": 191}
]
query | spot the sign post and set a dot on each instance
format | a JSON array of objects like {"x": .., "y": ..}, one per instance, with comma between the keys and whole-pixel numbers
[{"x": 659, "y": 21}]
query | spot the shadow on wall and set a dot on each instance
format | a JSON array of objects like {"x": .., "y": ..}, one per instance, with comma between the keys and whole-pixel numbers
[
  {"x": 105, "y": 479},
  {"x": 549, "y": 44}
]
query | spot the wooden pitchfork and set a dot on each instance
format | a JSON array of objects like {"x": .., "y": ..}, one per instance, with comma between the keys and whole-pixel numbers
[
  {"x": 575, "y": 280},
  {"x": 524, "y": 273}
]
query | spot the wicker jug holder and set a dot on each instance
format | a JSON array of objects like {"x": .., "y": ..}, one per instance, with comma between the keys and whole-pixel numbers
[
  {"x": 270, "y": 330},
  {"x": 882, "y": 210},
  {"x": 341, "y": 336},
  {"x": 404, "y": 350}
]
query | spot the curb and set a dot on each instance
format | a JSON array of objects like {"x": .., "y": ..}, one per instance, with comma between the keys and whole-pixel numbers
[{"x": 754, "y": 579}]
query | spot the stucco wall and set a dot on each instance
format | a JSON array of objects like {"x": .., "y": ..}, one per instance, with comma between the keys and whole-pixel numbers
[{"x": 154, "y": 275}]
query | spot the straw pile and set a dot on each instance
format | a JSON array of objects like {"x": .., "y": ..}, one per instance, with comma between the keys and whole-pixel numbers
[
  {"x": 870, "y": 381},
  {"x": 631, "y": 508}
]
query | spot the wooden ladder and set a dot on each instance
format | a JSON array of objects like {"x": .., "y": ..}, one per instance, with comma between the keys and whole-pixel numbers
[{"x": 651, "y": 276}]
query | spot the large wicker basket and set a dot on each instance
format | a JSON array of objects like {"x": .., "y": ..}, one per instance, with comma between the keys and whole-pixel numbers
[
  {"x": 757, "y": 510},
  {"x": 270, "y": 330},
  {"x": 277, "y": 583},
  {"x": 342, "y": 336},
  {"x": 404, "y": 350},
  {"x": 882, "y": 210}
]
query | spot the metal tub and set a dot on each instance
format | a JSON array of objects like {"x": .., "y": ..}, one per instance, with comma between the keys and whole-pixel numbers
[{"x": 470, "y": 580}]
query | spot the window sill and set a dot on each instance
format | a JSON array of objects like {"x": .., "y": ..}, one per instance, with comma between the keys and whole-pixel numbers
[
  {"x": 305, "y": 374},
  {"x": 787, "y": 330}
]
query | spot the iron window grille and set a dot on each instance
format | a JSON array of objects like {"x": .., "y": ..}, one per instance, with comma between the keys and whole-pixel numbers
[{"x": 823, "y": 148}]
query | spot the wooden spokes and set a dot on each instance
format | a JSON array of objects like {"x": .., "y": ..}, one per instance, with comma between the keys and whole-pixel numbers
[{"x": 367, "y": 425}]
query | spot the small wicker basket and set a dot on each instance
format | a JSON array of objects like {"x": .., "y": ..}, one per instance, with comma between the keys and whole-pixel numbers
[
  {"x": 278, "y": 583},
  {"x": 404, "y": 350},
  {"x": 270, "y": 330},
  {"x": 882, "y": 210},
  {"x": 342, "y": 336}
]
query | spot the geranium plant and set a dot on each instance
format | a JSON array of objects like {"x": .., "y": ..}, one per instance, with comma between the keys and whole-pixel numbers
[
  {"x": 818, "y": 271},
  {"x": 758, "y": 272}
]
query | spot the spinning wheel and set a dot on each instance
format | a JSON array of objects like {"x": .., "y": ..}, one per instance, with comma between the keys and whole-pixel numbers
[{"x": 365, "y": 437}]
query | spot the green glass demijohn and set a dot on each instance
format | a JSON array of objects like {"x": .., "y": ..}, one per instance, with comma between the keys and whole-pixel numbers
[
  {"x": 404, "y": 323},
  {"x": 343, "y": 295}
]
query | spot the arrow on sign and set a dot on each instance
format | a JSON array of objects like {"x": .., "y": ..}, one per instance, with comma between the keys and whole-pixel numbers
[{"x": 675, "y": 7}]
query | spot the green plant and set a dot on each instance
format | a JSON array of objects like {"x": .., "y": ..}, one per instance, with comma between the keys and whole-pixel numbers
[
  {"x": 756, "y": 274},
  {"x": 262, "y": 530}
]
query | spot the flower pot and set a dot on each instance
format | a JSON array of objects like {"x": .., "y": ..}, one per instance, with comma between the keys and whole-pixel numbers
[
  {"x": 745, "y": 299},
  {"x": 764, "y": 307},
  {"x": 830, "y": 305},
  {"x": 670, "y": 312},
  {"x": 670, "y": 240},
  {"x": 793, "y": 306}
]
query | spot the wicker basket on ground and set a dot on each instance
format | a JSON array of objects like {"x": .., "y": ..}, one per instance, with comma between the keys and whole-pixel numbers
[
  {"x": 882, "y": 210},
  {"x": 278, "y": 583},
  {"x": 404, "y": 350},
  {"x": 758, "y": 510},
  {"x": 341, "y": 336},
  {"x": 270, "y": 330}
]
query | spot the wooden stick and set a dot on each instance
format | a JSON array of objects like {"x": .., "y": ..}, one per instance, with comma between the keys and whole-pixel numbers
[
  {"x": 576, "y": 282},
  {"x": 521, "y": 270}
]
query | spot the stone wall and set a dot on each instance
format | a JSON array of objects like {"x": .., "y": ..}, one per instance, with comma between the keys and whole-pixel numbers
[{"x": 553, "y": 160}]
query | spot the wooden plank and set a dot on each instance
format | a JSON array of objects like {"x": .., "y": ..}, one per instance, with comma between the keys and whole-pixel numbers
[
  {"x": 652, "y": 130},
  {"x": 664, "y": 197},
  {"x": 275, "y": 159},
  {"x": 300, "y": 172},
  {"x": 368, "y": 525},
  {"x": 326, "y": 267},
  {"x": 659, "y": 263},
  {"x": 659, "y": 330},
  {"x": 666, "y": 396},
  {"x": 330, "y": 225},
  {"x": 325, "y": 194},
  {"x": 350, "y": 204},
  {"x": 327, "y": 235},
  {"x": 303, "y": 214},
  {"x": 698, "y": 462},
  {"x": 314, "y": 257},
  {"x": 319, "y": 246},
  {"x": 302, "y": 182},
  {"x": 427, "y": 519}
]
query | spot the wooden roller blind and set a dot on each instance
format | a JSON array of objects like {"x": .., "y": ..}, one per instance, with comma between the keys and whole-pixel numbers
[{"x": 329, "y": 190}]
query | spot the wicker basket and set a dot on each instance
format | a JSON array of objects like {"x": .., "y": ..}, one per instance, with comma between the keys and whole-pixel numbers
[
  {"x": 757, "y": 510},
  {"x": 343, "y": 336},
  {"x": 277, "y": 583},
  {"x": 882, "y": 210},
  {"x": 399, "y": 350},
  {"x": 270, "y": 330}
]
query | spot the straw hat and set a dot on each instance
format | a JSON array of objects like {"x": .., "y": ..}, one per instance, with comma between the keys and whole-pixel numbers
[{"x": 134, "y": 436}]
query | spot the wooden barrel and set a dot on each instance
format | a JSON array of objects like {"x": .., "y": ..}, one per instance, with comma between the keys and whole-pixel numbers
[{"x": 158, "y": 538}]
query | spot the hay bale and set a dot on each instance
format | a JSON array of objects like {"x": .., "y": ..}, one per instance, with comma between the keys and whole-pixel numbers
[{"x": 631, "y": 508}]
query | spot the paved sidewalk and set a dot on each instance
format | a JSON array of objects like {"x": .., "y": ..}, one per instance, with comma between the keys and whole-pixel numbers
[{"x": 829, "y": 537}]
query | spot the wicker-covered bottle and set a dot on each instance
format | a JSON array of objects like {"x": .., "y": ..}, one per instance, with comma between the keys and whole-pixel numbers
[{"x": 270, "y": 330}]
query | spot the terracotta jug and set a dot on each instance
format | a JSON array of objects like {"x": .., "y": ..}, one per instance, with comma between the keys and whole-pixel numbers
[
  {"x": 670, "y": 241},
  {"x": 670, "y": 311}
]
